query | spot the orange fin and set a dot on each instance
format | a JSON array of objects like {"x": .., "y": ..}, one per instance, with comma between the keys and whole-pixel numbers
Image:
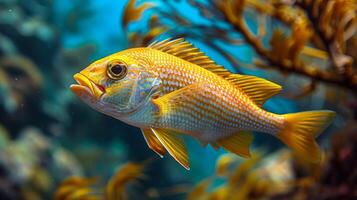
[
  {"x": 302, "y": 128},
  {"x": 238, "y": 143},
  {"x": 153, "y": 143},
  {"x": 186, "y": 51},
  {"x": 174, "y": 145},
  {"x": 258, "y": 89},
  {"x": 176, "y": 100}
]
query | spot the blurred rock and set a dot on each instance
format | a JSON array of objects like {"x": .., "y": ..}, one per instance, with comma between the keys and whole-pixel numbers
[{"x": 33, "y": 163}]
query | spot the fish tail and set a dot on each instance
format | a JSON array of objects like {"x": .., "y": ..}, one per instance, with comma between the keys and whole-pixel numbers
[{"x": 301, "y": 129}]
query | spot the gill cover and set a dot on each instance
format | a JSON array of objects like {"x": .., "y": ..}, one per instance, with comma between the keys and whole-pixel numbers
[{"x": 130, "y": 93}]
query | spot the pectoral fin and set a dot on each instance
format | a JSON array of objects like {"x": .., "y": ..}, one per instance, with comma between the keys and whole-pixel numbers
[
  {"x": 153, "y": 142},
  {"x": 238, "y": 143},
  {"x": 176, "y": 101},
  {"x": 174, "y": 145}
]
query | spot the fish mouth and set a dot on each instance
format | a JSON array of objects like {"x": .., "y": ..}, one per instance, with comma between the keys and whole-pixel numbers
[{"x": 86, "y": 86}]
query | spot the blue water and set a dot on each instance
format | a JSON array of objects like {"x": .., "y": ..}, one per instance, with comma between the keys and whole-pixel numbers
[{"x": 101, "y": 142}]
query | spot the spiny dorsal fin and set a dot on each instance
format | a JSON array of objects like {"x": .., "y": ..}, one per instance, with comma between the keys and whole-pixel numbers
[
  {"x": 186, "y": 51},
  {"x": 258, "y": 89}
]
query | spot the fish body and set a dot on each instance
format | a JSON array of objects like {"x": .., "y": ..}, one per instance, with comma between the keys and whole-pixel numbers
[
  {"x": 215, "y": 110},
  {"x": 171, "y": 88}
]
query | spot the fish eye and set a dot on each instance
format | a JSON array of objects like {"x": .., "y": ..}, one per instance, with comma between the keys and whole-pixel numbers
[{"x": 117, "y": 70}]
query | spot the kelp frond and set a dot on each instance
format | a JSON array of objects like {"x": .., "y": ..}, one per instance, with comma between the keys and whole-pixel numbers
[
  {"x": 75, "y": 188},
  {"x": 308, "y": 30},
  {"x": 115, "y": 189},
  {"x": 80, "y": 188},
  {"x": 133, "y": 13}
]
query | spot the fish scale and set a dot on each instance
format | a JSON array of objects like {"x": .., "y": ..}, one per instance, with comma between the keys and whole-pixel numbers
[
  {"x": 222, "y": 112},
  {"x": 171, "y": 88}
]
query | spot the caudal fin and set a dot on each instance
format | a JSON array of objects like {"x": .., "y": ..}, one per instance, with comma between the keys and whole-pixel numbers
[{"x": 302, "y": 128}]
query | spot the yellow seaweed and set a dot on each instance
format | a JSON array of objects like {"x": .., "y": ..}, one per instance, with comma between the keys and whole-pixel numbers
[{"x": 133, "y": 13}]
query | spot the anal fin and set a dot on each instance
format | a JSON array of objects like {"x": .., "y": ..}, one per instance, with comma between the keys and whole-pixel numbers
[
  {"x": 174, "y": 145},
  {"x": 238, "y": 143},
  {"x": 153, "y": 143}
]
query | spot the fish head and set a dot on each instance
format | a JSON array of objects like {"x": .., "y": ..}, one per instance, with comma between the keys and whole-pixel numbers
[{"x": 117, "y": 85}]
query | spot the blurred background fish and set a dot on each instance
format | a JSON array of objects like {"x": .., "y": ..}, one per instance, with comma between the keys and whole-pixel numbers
[{"x": 48, "y": 136}]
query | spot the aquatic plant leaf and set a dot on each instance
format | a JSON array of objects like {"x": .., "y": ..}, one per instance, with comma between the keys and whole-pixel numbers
[
  {"x": 232, "y": 8},
  {"x": 75, "y": 187},
  {"x": 252, "y": 185},
  {"x": 300, "y": 36},
  {"x": 224, "y": 162},
  {"x": 278, "y": 42},
  {"x": 314, "y": 52},
  {"x": 305, "y": 91},
  {"x": 220, "y": 193},
  {"x": 126, "y": 174},
  {"x": 312, "y": 26},
  {"x": 4, "y": 137},
  {"x": 81, "y": 194},
  {"x": 334, "y": 22},
  {"x": 133, "y": 13},
  {"x": 200, "y": 190},
  {"x": 239, "y": 173},
  {"x": 24, "y": 65},
  {"x": 7, "y": 94},
  {"x": 78, "y": 181},
  {"x": 154, "y": 32},
  {"x": 260, "y": 6},
  {"x": 154, "y": 21}
]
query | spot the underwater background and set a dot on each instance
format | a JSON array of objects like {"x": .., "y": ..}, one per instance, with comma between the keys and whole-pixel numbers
[{"x": 53, "y": 146}]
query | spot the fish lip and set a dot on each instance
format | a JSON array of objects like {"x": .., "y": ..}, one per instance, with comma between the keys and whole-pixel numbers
[{"x": 87, "y": 85}]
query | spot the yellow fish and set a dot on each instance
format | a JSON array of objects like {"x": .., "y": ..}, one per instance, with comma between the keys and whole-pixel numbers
[{"x": 171, "y": 88}]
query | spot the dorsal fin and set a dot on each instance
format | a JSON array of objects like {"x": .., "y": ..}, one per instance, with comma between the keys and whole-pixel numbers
[
  {"x": 186, "y": 51},
  {"x": 258, "y": 89}
]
